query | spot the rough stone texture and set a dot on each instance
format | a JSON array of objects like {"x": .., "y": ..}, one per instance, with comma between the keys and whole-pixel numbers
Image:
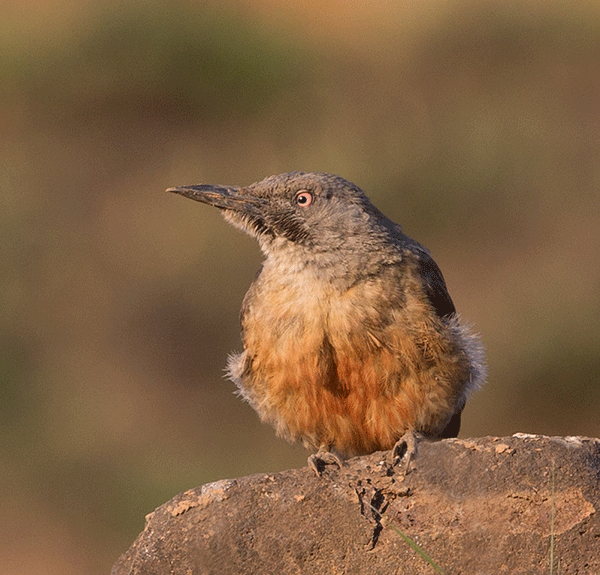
[{"x": 475, "y": 506}]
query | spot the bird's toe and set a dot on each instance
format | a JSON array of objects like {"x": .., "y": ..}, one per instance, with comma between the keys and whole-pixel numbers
[
  {"x": 405, "y": 450},
  {"x": 323, "y": 457}
]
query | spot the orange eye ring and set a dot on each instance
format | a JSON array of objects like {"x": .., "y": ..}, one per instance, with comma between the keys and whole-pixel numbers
[{"x": 304, "y": 199}]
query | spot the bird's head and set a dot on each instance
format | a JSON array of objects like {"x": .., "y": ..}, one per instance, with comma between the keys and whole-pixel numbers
[{"x": 315, "y": 211}]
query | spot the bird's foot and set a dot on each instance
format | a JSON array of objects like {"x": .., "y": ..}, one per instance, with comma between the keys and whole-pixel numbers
[
  {"x": 405, "y": 449},
  {"x": 318, "y": 461}
]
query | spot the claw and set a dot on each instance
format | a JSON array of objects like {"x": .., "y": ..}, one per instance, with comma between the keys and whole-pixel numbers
[
  {"x": 405, "y": 448},
  {"x": 318, "y": 461}
]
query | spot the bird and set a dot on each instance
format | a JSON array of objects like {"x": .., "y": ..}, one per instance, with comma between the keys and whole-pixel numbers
[{"x": 351, "y": 341}]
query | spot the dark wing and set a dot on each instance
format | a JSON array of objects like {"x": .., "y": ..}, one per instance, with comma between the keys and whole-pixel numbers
[
  {"x": 453, "y": 427},
  {"x": 440, "y": 299},
  {"x": 435, "y": 286}
]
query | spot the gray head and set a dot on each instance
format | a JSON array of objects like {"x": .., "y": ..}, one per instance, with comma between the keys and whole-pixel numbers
[{"x": 312, "y": 211}]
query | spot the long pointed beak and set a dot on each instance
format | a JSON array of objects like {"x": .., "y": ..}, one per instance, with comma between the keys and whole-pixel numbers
[
  {"x": 240, "y": 206},
  {"x": 223, "y": 197}
]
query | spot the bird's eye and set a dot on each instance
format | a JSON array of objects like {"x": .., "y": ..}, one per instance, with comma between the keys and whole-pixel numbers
[{"x": 304, "y": 199}]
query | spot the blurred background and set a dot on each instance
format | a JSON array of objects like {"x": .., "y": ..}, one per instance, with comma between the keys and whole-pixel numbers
[{"x": 476, "y": 125}]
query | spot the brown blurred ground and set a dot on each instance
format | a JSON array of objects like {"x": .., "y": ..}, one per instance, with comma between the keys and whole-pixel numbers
[{"x": 475, "y": 125}]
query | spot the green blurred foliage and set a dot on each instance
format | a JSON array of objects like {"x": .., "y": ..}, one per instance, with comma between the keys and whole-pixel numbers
[
  {"x": 475, "y": 125},
  {"x": 154, "y": 58}
]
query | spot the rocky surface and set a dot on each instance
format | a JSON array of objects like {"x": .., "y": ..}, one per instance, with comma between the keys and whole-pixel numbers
[{"x": 475, "y": 506}]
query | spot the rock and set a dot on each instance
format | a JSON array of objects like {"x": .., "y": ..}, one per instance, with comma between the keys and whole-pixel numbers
[{"x": 474, "y": 506}]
